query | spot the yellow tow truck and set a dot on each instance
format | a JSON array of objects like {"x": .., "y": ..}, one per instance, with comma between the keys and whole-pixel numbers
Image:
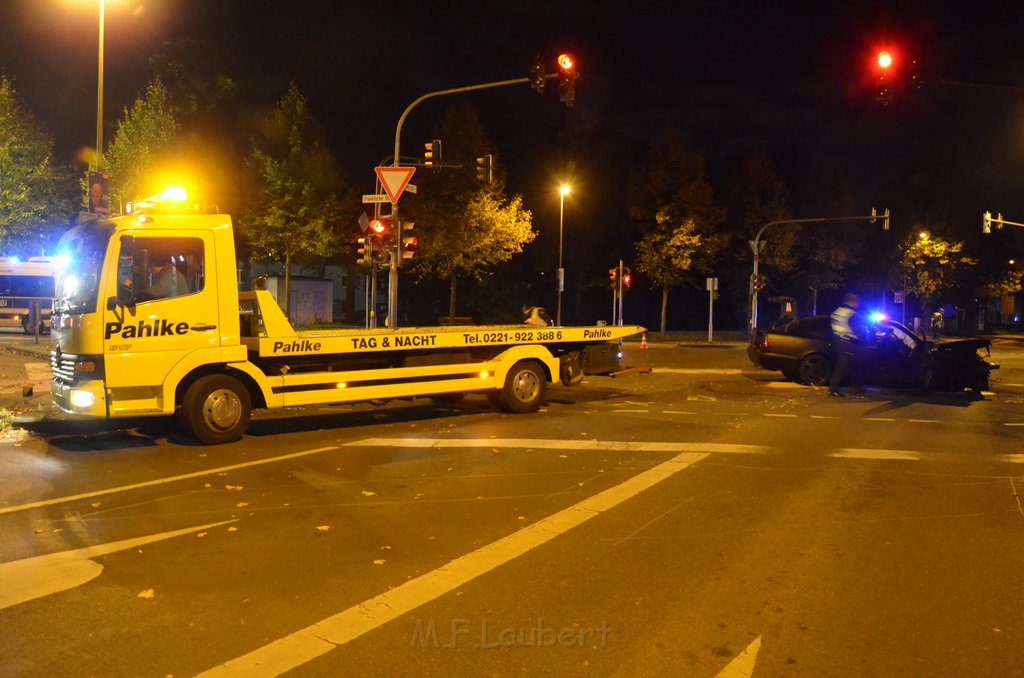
[{"x": 149, "y": 320}]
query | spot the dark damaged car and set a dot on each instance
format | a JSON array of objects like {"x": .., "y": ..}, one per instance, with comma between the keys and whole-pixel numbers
[{"x": 892, "y": 355}]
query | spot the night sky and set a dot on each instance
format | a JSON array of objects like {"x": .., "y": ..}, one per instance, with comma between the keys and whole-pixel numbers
[{"x": 735, "y": 78}]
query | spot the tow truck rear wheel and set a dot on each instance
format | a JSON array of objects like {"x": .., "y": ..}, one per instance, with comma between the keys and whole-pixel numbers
[
  {"x": 217, "y": 409},
  {"x": 525, "y": 386}
]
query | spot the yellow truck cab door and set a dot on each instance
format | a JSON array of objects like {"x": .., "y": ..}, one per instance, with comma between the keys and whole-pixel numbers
[{"x": 164, "y": 310}]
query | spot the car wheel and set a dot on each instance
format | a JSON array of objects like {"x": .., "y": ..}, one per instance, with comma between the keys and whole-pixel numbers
[{"x": 814, "y": 369}]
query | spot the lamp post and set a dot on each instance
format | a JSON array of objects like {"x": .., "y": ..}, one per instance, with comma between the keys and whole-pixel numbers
[
  {"x": 563, "y": 190},
  {"x": 99, "y": 93}
]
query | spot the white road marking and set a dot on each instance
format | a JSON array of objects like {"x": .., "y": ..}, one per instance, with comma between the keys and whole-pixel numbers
[
  {"x": 632, "y": 411},
  {"x": 676, "y": 412},
  {"x": 1014, "y": 423},
  {"x": 31, "y": 578},
  {"x": 879, "y": 419},
  {"x": 925, "y": 421},
  {"x": 300, "y": 647},
  {"x": 856, "y": 453},
  {"x": 743, "y": 665},
  {"x": 684, "y": 370},
  {"x": 159, "y": 481},
  {"x": 1014, "y": 458},
  {"x": 548, "y": 444},
  {"x": 785, "y": 416},
  {"x": 821, "y": 416}
]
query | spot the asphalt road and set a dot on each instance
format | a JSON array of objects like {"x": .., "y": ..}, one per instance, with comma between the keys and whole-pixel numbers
[{"x": 705, "y": 519}]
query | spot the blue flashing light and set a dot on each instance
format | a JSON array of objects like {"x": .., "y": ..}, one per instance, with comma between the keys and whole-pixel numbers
[{"x": 878, "y": 316}]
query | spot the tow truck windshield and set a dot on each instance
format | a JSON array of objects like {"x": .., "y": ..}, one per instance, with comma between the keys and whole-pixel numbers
[{"x": 85, "y": 246}]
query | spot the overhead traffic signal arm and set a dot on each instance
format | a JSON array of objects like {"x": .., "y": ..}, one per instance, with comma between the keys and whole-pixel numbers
[{"x": 987, "y": 220}]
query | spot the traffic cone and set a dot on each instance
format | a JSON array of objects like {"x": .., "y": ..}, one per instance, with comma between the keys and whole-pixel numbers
[{"x": 643, "y": 340}]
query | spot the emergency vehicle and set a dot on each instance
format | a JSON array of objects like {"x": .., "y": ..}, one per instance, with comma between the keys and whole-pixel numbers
[
  {"x": 211, "y": 353},
  {"x": 27, "y": 289}
]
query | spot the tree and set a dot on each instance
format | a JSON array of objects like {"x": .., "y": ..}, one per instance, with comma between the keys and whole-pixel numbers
[
  {"x": 829, "y": 250},
  {"x": 34, "y": 198},
  {"x": 757, "y": 196},
  {"x": 664, "y": 255},
  {"x": 298, "y": 199},
  {"x": 672, "y": 203},
  {"x": 930, "y": 264},
  {"x": 149, "y": 134},
  {"x": 465, "y": 227}
]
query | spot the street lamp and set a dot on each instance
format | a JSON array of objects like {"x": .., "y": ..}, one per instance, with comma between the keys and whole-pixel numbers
[
  {"x": 99, "y": 92},
  {"x": 563, "y": 191}
]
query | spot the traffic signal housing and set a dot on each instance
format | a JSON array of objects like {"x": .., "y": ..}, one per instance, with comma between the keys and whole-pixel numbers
[
  {"x": 538, "y": 76},
  {"x": 485, "y": 168},
  {"x": 567, "y": 75},
  {"x": 409, "y": 242},
  {"x": 364, "y": 250},
  {"x": 432, "y": 153},
  {"x": 613, "y": 278},
  {"x": 627, "y": 278},
  {"x": 883, "y": 91}
]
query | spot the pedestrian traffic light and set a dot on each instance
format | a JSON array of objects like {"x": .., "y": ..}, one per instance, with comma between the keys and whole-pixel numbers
[
  {"x": 538, "y": 76},
  {"x": 986, "y": 222},
  {"x": 409, "y": 242},
  {"x": 432, "y": 153},
  {"x": 613, "y": 278},
  {"x": 627, "y": 278},
  {"x": 485, "y": 168},
  {"x": 567, "y": 75},
  {"x": 365, "y": 251}
]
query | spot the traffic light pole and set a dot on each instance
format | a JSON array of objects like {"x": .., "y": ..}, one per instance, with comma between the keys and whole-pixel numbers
[
  {"x": 620, "y": 291},
  {"x": 393, "y": 273},
  {"x": 756, "y": 245}
]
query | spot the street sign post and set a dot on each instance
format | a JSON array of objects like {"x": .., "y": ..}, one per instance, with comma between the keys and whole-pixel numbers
[{"x": 712, "y": 285}]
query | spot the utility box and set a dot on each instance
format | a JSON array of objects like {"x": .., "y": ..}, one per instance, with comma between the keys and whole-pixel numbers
[{"x": 600, "y": 359}]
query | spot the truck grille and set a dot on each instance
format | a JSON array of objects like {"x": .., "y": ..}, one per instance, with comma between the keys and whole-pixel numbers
[{"x": 63, "y": 366}]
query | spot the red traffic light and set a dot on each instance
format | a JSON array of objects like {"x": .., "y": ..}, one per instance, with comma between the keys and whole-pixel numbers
[
  {"x": 381, "y": 226},
  {"x": 884, "y": 59},
  {"x": 567, "y": 75}
]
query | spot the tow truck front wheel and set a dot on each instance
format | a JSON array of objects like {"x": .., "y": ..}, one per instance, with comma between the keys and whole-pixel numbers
[
  {"x": 216, "y": 409},
  {"x": 525, "y": 386}
]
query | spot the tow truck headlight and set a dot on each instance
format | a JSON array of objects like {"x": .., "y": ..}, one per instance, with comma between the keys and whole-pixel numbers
[{"x": 79, "y": 398}]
